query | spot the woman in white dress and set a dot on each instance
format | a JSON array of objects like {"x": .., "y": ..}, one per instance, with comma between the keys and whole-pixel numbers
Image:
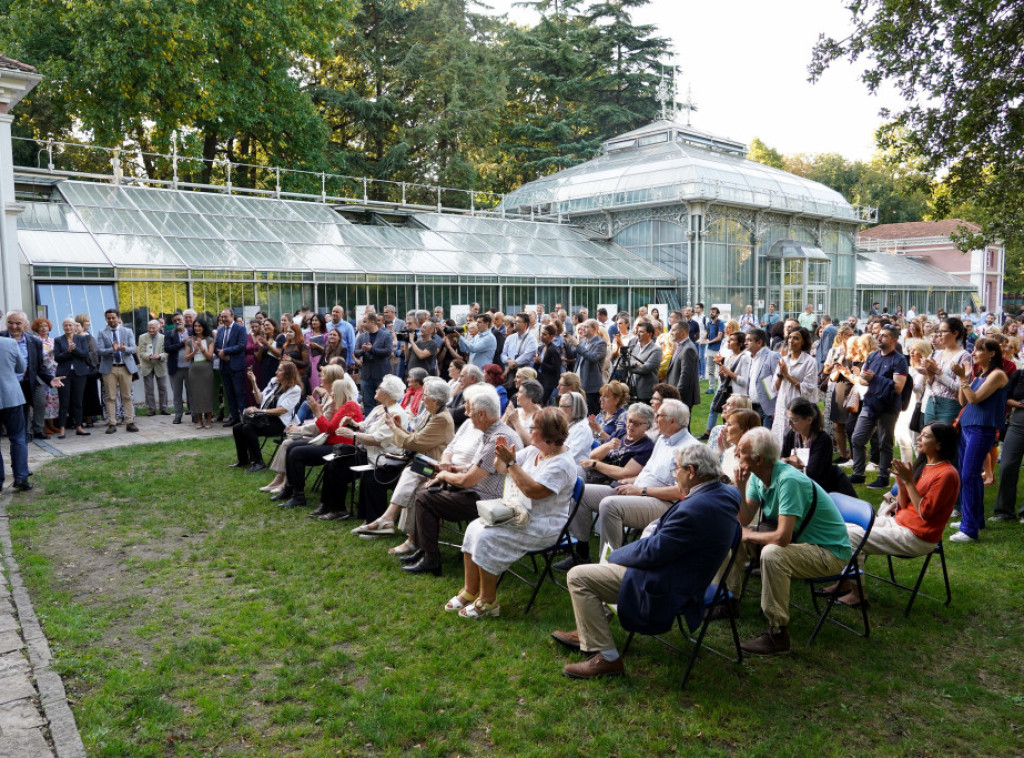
[
  {"x": 796, "y": 376},
  {"x": 542, "y": 476}
]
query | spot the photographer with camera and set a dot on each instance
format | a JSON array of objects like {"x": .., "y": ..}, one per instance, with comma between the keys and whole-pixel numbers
[{"x": 422, "y": 352}]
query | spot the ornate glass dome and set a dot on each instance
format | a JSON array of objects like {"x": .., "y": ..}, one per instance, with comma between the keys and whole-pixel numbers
[{"x": 668, "y": 162}]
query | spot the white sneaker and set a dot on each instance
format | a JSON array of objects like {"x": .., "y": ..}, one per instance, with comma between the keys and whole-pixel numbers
[
  {"x": 954, "y": 525},
  {"x": 961, "y": 537}
]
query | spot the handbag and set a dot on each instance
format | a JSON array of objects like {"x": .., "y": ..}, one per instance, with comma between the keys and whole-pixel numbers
[
  {"x": 513, "y": 507},
  {"x": 494, "y": 512},
  {"x": 917, "y": 418},
  {"x": 722, "y": 396},
  {"x": 852, "y": 403},
  {"x": 320, "y": 439},
  {"x": 824, "y": 377}
]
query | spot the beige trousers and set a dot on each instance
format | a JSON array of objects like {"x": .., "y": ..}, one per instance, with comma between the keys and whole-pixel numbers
[
  {"x": 888, "y": 538},
  {"x": 119, "y": 380},
  {"x": 780, "y": 565},
  {"x": 590, "y": 587}
]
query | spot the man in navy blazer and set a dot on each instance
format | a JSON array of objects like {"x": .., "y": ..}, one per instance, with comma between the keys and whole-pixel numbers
[
  {"x": 663, "y": 574},
  {"x": 35, "y": 374},
  {"x": 229, "y": 347}
]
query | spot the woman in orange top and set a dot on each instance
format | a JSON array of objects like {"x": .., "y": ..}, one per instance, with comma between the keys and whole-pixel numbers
[{"x": 927, "y": 494}]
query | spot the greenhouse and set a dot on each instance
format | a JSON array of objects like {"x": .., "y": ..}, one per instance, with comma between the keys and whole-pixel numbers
[
  {"x": 892, "y": 279},
  {"x": 694, "y": 205},
  {"x": 152, "y": 251}
]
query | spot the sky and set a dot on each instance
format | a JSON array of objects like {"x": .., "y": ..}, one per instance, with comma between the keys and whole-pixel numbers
[{"x": 745, "y": 62}]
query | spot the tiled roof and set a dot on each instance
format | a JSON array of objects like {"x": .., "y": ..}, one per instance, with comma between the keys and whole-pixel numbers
[
  {"x": 915, "y": 229},
  {"x": 12, "y": 65}
]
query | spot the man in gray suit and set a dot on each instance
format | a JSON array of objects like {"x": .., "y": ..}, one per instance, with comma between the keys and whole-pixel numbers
[
  {"x": 116, "y": 347},
  {"x": 684, "y": 367},
  {"x": 763, "y": 363},
  {"x": 12, "y": 415},
  {"x": 645, "y": 360},
  {"x": 590, "y": 355}
]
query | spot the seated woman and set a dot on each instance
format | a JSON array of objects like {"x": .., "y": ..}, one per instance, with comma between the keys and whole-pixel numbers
[
  {"x": 275, "y": 411},
  {"x": 735, "y": 403},
  {"x": 430, "y": 438},
  {"x": 371, "y": 439},
  {"x": 807, "y": 448},
  {"x": 494, "y": 376},
  {"x": 544, "y": 476},
  {"x": 414, "y": 391},
  {"x": 737, "y": 423},
  {"x": 927, "y": 494},
  {"x": 528, "y": 399},
  {"x": 303, "y": 430},
  {"x": 580, "y": 440},
  {"x": 611, "y": 421},
  {"x": 302, "y": 454}
]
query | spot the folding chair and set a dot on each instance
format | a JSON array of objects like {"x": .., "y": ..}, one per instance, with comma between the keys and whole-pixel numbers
[
  {"x": 715, "y": 595},
  {"x": 564, "y": 543},
  {"x": 915, "y": 590},
  {"x": 853, "y": 511}
]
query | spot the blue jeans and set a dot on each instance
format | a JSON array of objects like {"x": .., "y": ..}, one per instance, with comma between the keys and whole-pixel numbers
[
  {"x": 702, "y": 366},
  {"x": 941, "y": 409},
  {"x": 975, "y": 444},
  {"x": 369, "y": 388},
  {"x": 13, "y": 420}
]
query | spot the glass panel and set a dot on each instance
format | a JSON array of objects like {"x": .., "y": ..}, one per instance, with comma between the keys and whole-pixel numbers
[
  {"x": 61, "y": 247},
  {"x": 105, "y": 195},
  {"x": 126, "y": 250},
  {"x": 68, "y": 300},
  {"x": 54, "y": 217},
  {"x": 114, "y": 221},
  {"x": 141, "y": 301}
]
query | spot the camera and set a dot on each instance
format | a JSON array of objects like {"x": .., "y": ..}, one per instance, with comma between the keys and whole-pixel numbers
[
  {"x": 404, "y": 336},
  {"x": 451, "y": 330}
]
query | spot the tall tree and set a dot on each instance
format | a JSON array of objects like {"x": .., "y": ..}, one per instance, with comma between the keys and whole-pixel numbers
[{"x": 959, "y": 67}]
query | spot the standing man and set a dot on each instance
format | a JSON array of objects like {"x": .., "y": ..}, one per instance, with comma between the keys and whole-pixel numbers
[
  {"x": 806, "y": 319},
  {"x": 115, "y": 346},
  {"x": 590, "y": 357},
  {"x": 827, "y": 339},
  {"x": 771, "y": 318},
  {"x": 348, "y": 334},
  {"x": 884, "y": 373},
  {"x": 702, "y": 337},
  {"x": 177, "y": 364},
  {"x": 645, "y": 360},
  {"x": 520, "y": 347},
  {"x": 229, "y": 348},
  {"x": 373, "y": 350},
  {"x": 683, "y": 369},
  {"x": 716, "y": 337},
  {"x": 748, "y": 320},
  {"x": 763, "y": 363},
  {"x": 12, "y": 411},
  {"x": 153, "y": 368},
  {"x": 481, "y": 347},
  {"x": 34, "y": 375}
]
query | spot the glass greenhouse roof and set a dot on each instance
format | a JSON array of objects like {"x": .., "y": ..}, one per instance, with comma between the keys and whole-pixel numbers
[
  {"x": 642, "y": 168},
  {"x": 888, "y": 271},
  {"x": 108, "y": 225}
]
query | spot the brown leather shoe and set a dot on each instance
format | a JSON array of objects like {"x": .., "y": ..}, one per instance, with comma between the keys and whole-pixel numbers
[
  {"x": 570, "y": 640},
  {"x": 594, "y": 667},
  {"x": 770, "y": 642},
  {"x": 130, "y": 426}
]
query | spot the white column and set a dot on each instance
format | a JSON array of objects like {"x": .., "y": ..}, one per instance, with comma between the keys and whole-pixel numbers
[{"x": 10, "y": 255}]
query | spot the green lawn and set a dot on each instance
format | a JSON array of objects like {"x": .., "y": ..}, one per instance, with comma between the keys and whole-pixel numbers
[{"x": 190, "y": 616}]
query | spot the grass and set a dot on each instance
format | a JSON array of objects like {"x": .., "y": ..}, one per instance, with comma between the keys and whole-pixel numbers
[{"x": 189, "y": 616}]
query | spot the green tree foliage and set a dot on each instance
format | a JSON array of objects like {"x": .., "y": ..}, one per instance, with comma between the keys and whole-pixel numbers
[
  {"x": 769, "y": 156},
  {"x": 958, "y": 66}
]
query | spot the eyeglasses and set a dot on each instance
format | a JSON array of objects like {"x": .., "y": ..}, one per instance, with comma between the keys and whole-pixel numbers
[
  {"x": 661, "y": 415},
  {"x": 636, "y": 422}
]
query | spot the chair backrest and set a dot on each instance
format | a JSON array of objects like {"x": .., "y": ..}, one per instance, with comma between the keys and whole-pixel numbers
[
  {"x": 574, "y": 505},
  {"x": 853, "y": 510},
  {"x": 577, "y": 491}
]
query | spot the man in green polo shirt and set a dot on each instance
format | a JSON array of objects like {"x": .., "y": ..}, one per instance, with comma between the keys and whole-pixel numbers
[{"x": 809, "y": 538}]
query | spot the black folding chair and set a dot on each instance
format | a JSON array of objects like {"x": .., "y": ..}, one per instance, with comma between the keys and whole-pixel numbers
[
  {"x": 714, "y": 596},
  {"x": 564, "y": 544},
  {"x": 915, "y": 590},
  {"x": 853, "y": 511}
]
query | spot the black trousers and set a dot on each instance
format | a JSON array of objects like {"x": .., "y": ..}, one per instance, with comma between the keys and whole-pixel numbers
[
  {"x": 338, "y": 475},
  {"x": 71, "y": 397},
  {"x": 247, "y": 438},
  {"x": 373, "y": 490},
  {"x": 299, "y": 457},
  {"x": 435, "y": 506}
]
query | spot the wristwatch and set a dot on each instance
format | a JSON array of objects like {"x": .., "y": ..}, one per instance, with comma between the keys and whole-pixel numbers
[{"x": 643, "y": 491}]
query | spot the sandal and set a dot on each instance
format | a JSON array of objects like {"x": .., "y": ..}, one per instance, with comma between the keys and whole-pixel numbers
[
  {"x": 375, "y": 528},
  {"x": 459, "y": 602},
  {"x": 406, "y": 548},
  {"x": 477, "y": 610}
]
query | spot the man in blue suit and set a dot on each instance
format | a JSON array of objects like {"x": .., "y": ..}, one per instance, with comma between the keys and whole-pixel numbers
[
  {"x": 763, "y": 363},
  {"x": 35, "y": 374},
  {"x": 229, "y": 347},
  {"x": 12, "y": 416},
  {"x": 659, "y": 576}
]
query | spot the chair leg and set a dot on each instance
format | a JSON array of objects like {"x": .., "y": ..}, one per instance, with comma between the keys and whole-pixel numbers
[
  {"x": 917, "y": 584},
  {"x": 629, "y": 641},
  {"x": 945, "y": 576}
]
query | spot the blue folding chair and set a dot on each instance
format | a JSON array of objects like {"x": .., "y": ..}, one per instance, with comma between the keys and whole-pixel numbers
[
  {"x": 915, "y": 590},
  {"x": 563, "y": 544},
  {"x": 715, "y": 595},
  {"x": 853, "y": 511}
]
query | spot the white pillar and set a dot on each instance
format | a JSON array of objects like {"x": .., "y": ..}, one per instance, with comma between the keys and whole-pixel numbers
[{"x": 10, "y": 255}]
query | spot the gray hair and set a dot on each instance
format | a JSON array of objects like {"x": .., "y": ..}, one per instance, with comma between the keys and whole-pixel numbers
[
  {"x": 471, "y": 369},
  {"x": 436, "y": 389},
  {"x": 579, "y": 406},
  {"x": 189, "y": 311},
  {"x": 701, "y": 457},
  {"x": 533, "y": 389},
  {"x": 154, "y": 321},
  {"x": 763, "y": 444},
  {"x": 23, "y": 319},
  {"x": 393, "y": 387},
  {"x": 676, "y": 409},
  {"x": 644, "y": 411},
  {"x": 417, "y": 375},
  {"x": 484, "y": 398}
]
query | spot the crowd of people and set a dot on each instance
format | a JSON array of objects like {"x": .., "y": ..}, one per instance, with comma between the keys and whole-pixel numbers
[{"x": 412, "y": 425}]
